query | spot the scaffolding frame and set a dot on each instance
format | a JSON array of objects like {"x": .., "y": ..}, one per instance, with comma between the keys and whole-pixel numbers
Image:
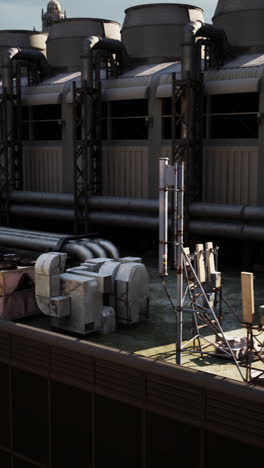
[
  {"x": 11, "y": 155},
  {"x": 189, "y": 120},
  {"x": 87, "y": 137},
  {"x": 86, "y": 151}
]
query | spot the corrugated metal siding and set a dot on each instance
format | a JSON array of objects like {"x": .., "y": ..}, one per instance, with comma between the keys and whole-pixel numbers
[
  {"x": 125, "y": 171},
  {"x": 42, "y": 168},
  {"x": 230, "y": 174}
]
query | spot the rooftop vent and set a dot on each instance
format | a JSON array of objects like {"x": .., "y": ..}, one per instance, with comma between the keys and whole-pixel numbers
[
  {"x": 154, "y": 32},
  {"x": 243, "y": 22},
  {"x": 66, "y": 37}
]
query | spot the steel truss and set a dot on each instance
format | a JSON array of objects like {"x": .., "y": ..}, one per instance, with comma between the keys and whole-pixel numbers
[
  {"x": 86, "y": 151},
  {"x": 11, "y": 162},
  {"x": 187, "y": 119},
  {"x": 196, "y": 297},
  {"x": 87, "y": 137}
]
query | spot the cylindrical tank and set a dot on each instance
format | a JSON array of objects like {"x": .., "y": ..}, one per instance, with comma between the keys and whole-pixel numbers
[
  {"x": 154, "y": 32},
  {"x": 243, "y": 22},
  {"x": 23, "y": 39},
  {"x": 64, "y": 44}
]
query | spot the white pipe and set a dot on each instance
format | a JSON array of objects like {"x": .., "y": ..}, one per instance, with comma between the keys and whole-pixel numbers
[
  {"x": 163, "y": 217},
  {"x": 180, "y": 240}
]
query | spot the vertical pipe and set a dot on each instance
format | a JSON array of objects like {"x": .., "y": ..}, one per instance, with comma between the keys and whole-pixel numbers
[
  {"x": 179, "y": 299},
  {"x": 163, "y": 217},
  {"x": 175, "y": 216}
]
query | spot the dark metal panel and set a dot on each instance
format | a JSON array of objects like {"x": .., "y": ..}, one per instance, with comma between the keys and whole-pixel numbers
[
  {"x": 71, "y": 426},
  {"x": 120, "y": 381},
  {"x": 167, "y": 439},
  {"x": 175, "y": 397},
  {"x": 221, "y": 451},
  {"x": 30, "y": 354},
  {"x": 30, "y": 415},
  {"x": 4, "y": 347},
  {"x": 4, "y": 408},
  {"x": 71, "y": 367},
  {"x": 5, "y": 459},
  {"x": 118, "y": 434},
  {"x": 234, "y": 418}
]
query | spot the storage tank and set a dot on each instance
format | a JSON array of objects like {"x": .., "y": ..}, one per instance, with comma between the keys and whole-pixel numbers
[
  {"x": 243, "y": 22},
  {"x": 154, "y": 32},
  {"x": 66, "y": 37},
  {"x": 23, "y": 39}
]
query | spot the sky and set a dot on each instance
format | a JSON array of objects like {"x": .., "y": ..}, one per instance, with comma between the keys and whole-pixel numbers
[{"x": 25, "y": 14}]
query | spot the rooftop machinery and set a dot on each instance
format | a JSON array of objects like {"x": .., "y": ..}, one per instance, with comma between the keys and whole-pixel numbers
[{"x": 104, "y": 105}]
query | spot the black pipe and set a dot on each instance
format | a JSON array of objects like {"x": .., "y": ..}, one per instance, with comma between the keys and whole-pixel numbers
[
  {"x": 35, "y": 57},
  {"x": 94, "y": 202}
]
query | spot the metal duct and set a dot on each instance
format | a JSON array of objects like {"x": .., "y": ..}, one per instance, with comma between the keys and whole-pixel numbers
[
  {"x": 15, "y": 53},
  {"x": 35, "y": 57},
  {"x": 190, "y": 61},
  {"x": 100, "y": 43}
]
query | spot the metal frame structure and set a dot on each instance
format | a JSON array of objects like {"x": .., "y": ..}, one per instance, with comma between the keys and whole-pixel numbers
[
  {"x": 189, "y": 94},
  {"x": 172, "y": 178},
  {"x": 86, "y": 151},
  {"x": 87, "y": 136},
  {"x": 11, "y": 162}
]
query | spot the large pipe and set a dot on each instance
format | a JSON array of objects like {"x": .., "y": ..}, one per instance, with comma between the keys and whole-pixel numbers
[
  {"x": 188, "y": 52},
  {"x": 100, "y": 217},
  {"x": 37, "y": 58},
  {"x": 228, "y": 230},
  {"x": 193, "y": 29},
  {"x": 94, "y": 202},
  {"x": 93, "y": 43},
  {"x": 223, "y": 211},
  {"x": 41, "y": 243},
  {"x": 28, "y": 55}
]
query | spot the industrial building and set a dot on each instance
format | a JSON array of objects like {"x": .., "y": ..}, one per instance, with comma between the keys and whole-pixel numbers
[{"x": 88, "y": 107}]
